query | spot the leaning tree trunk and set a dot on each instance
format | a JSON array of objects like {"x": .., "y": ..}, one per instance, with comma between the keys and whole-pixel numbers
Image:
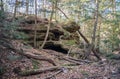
[
  {"x": 84, "y": 38},
  {"x": 91, "y": 49},
  {"x": 48, "y": 27}
]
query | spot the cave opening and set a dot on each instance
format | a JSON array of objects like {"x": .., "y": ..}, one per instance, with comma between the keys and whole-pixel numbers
[{"x": 56, "y": 47}]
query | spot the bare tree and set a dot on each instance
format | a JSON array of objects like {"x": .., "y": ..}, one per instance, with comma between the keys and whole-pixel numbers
[
  {"x": 98, "y": 37},
  {"x": 2, "y": 5},
  {"x": 35, "y": 31},
  {"x": 15, "y": 9},
  {"x": 95, "y": 24},
  {"x": 44, "y": 8},
  {"x": 56, "y": 4},
  {"x": 27, "y": 6},
  {"x": 92, "y": 46},
  {"x": 48, "y": 27}
]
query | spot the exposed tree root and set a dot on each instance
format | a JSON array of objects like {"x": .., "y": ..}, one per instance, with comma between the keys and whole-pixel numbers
[
  {"x": 35, "y": 71},
  {"x": 74, "y": 60},
  {"x": 37, "y": 57},
  {"x": 70, "y": 59},
  {"x": 38, "y": 71},
  {"x": 26, "y": 52},
  {"x": 53, "y": 75}
]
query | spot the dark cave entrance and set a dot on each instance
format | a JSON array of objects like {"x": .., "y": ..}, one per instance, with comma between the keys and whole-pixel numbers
[{"x": 56, "y": 47}]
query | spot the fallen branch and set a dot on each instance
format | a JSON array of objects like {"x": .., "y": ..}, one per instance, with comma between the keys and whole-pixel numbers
[
  {"x": 27, "y": 53},
  {"x": 93, "y": 50},
  {"x": 86, "y": 61},
  {"x": 58, "y": 72},
  {"x": 35, "y": 71},
  {"x": 70, "y": 59},
  {"x": 73, "y": 61},
  {"x": 36, "y": 57},
  {"x": 62, "y": 12}
]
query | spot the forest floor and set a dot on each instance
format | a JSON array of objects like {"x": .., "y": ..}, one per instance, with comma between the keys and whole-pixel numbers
[{"x": 10, "y": 60}]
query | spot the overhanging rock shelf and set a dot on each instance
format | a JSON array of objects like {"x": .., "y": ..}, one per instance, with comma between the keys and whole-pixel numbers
[{"x": 28, "y": 27}]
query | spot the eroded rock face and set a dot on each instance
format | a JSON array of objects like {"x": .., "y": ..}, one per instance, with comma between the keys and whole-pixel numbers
[
  {"x": 71, "y": 26},
  {"x": 28, "y": 27}
]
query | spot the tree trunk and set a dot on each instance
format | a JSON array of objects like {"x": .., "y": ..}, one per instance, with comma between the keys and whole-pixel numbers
[
  {"x": 89, "y": 46},
  {"x": 35, "y": 32},
  {"x": 94, "y": 30},
  {"x": 56, "y": 4},
  {"x": 98, "y": 37},
  {"x": 44, "y": 8},
  {"x": 62, "y": 12},
  {"x": 35, "y": 71},
  {"x": 15, "y": 9},
  {"x": 95, "y": 24},
  {"x": 27, "y": 6},
  {"x": 48, "y": 28},
  {"x": 113, "y": 18},
  {"x": 2, "y": 5},
  {"x": 85, "y": 39}
]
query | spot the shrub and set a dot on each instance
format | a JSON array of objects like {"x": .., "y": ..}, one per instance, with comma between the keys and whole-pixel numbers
[
  {"x": 112, "y": 56},
  {"x": 2, "y": 70},
  {"x": 9, "y": 29}
]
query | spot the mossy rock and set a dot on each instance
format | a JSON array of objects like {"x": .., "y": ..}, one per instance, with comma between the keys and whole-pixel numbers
[
  {"x": 71, "y": 26},
  {"x": 14, "y": 57},
  {"x": 113, "y": 56},
  {"x": 2, "y": 70}
]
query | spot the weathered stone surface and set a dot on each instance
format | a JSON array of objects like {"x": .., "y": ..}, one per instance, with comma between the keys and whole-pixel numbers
[
  {"x": 71, "y": 26},
  {"x": 28, "y": 27}
]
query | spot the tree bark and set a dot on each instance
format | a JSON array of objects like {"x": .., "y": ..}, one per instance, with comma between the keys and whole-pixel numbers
[
  {"x": 35, "y": 31},
  {"x": 62, "y": 12},
  {"x": 95, "y": 24},
  {"x": 91, "y": 48},
  {"x": 15, "y": 9},
  {"x": 2, "y": 5},
  {"x": 27, "y": 6},
  {"x": 94, "y": 30},
  {"x": 44, "y": 8},
  {"x": 31, "y": 55},
  {"x": 48, "y": 28},
  {"x": 56, "y": 4},
  {"x": 85, "y": 39},
  {"x": 35, "y": 71}
]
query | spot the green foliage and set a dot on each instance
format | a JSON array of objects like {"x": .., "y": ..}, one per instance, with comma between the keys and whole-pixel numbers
[
  {"x": 113, "y": 32},
  {"x": 13, "y": 57},
  {"x": 10, "y": 28},
  {"x": 2, "y": 16},
  {"x": 35, "y": 64},
  {"x": 85, "y": 73},
  {"x": 69, "y": 42},
  {"x": 112, "y": 56},
  {"x": 2, "y": 70},
  {"x": 112, "y": 43},
  {"x": 20, "y": 35}
]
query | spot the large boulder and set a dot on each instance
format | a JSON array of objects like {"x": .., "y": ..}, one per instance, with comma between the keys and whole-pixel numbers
[
  {"x": 28, "y": 26},
  {"x": 71, "y": 26}
]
